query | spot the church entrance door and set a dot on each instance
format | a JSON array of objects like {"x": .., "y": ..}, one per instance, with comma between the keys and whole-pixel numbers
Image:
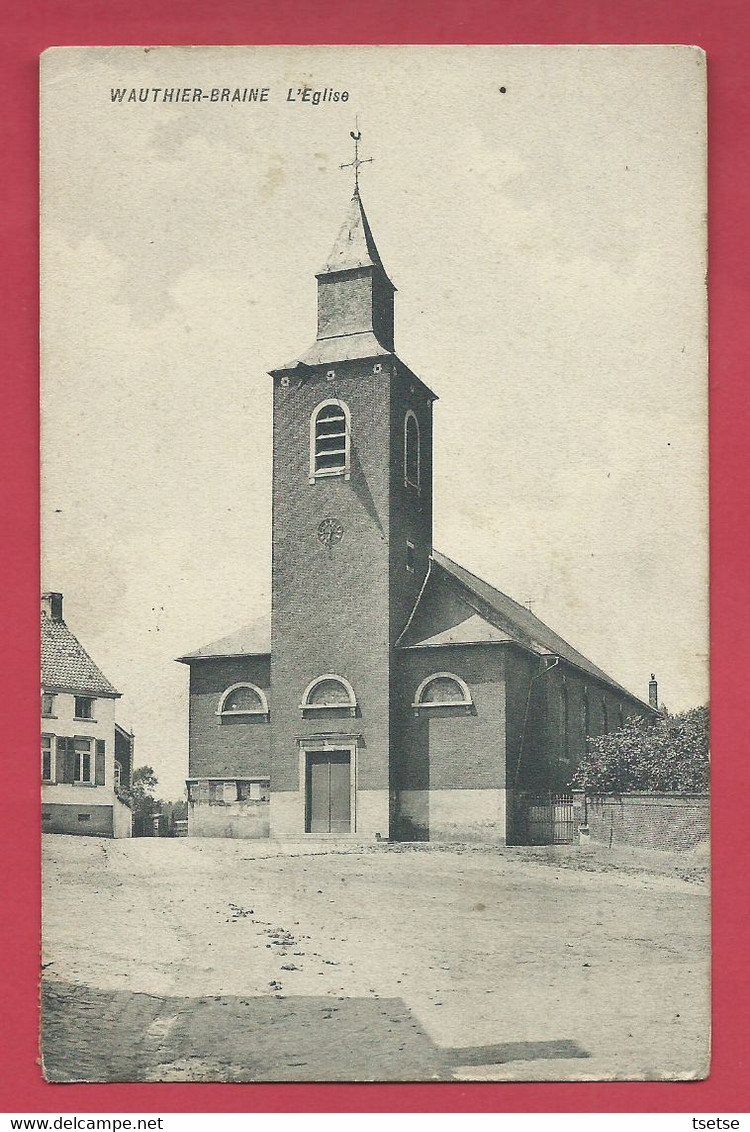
[{"x": 328, "y": 792}]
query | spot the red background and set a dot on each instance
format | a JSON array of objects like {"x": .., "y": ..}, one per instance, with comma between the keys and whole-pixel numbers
[{"x": 722, "y": 27}]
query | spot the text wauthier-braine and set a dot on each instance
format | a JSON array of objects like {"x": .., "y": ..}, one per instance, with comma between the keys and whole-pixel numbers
[{"x": 302, "y": 94}]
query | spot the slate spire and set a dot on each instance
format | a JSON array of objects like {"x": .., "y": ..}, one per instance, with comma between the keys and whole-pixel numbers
[{"x": 355, "y": 295}]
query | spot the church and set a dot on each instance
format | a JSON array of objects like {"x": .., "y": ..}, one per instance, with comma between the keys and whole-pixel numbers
[{"x": 391, "y": 695}]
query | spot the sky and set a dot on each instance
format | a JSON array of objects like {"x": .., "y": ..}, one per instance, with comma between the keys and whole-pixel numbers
[{"x": 548, "y": 245}]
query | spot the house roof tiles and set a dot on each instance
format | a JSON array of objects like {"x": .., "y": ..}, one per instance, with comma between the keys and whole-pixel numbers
[{"x": 66, "y": 665}]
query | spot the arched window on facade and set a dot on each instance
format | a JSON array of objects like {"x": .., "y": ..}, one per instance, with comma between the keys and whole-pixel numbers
[
  {"x": 605, "y": 717},
  {"x": 329, "y": 693},
  {"x": 443, "y": 690},
  {"x": 412, "y": 453},
  {"x": 586, "y": 714},
  {"x": 620, "y": 716},
  {"x": 243, "y": 699},
  {"x": 330, "y": 439}
]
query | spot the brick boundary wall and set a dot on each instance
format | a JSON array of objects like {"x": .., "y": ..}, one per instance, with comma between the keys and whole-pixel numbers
[{"x": 648, "y": 821}]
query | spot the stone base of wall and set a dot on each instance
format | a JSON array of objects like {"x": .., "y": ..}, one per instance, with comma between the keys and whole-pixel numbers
[
  {"x": 371, "y": 814},
  {"x": 647, "y": 821},
  {"x": 453, "y": 815},
  {"x": 80, "y": 820},
  {"x": 231, "y": 819},
  {"x": 122, "y": 819}
]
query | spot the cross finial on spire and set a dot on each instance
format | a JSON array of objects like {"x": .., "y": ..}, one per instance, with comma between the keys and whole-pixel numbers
[{"x": 356, "y": 136}]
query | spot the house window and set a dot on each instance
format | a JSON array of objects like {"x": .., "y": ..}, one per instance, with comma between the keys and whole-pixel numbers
[
  {"x": 47, "y": 758},
  {"x": 605, "y": 717},
  {"x": 586, "y": 715},
  {"x": 48, "y": 703},
  {"x": 84, "y": 762},
  {"x": 410, "y": 556},
  {"x": 330, "y": 440},
  {"x": 443, "y": 689},
  {"x": 84, "y": 707},
  {"x": 620, "y": 716},
  {"x": 118, "y": 775},
  {"x": 243, "y": 700},
  {"x": 75, "y": 761},
  {"x": 329, "y": 692},
  {"x": 411, "y": 450}
]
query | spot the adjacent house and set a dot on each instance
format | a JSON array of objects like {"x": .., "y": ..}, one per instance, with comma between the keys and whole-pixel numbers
[{"x": 79, "y": 737}]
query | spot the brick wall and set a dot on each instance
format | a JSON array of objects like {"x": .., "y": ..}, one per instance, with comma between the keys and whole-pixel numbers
[
  {"x": 331, "y": 605},
  {"x": 236, "y": 747},
  {"x": 649, "y": 821},
  {"x": 450, "y": 748},
  {"x": 410, "y": 509}
]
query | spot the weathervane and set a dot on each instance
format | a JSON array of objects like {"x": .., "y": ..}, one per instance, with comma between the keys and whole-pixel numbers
[{"x": 356, "y": 136}]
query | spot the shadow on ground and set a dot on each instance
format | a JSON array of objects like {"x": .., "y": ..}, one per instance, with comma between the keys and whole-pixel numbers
[{"x": 94, "y": 1035}]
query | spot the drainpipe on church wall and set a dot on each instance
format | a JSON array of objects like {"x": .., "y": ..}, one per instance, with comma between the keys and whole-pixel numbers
[{"x": 547, "y": 668}]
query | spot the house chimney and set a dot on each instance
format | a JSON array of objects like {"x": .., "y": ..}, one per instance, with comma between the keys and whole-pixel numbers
[
  {"x": 52, "y": 606},
  {"x": 653, "y": 692}
]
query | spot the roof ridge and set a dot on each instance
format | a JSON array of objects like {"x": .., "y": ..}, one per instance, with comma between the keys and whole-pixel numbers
[{"x": 554, "y": 643}]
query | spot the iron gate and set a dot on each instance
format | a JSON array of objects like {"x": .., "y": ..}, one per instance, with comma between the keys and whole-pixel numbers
[{"x": 545, "y": 819}]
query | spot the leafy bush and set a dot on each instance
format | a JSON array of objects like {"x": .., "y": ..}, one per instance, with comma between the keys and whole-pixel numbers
[{"x": 668, "y": 755}]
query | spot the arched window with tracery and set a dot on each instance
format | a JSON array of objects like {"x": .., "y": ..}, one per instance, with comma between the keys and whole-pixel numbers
[
  {"x": 329, "y": 692},
  {"x": 243, "y": 699},
  {"x": 443, "y": 690},
  {"x": 412, "y": 452},
  {"x": 330, "y": 439}
]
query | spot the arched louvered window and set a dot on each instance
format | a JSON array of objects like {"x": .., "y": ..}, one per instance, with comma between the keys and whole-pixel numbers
[
  {"x": 243, "y": 699},
  {"x": 442, "y": 689},
  {"x": 330, "y": 440},
  {"x": 329, "y": 693},
  {"x": 412, "y": 454}
]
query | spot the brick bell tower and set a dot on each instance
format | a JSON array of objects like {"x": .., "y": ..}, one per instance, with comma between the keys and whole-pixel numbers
[{"x": 352, "y": 536}]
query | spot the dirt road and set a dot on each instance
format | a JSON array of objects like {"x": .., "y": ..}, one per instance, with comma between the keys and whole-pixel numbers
[{"x": 229, "y": 960}]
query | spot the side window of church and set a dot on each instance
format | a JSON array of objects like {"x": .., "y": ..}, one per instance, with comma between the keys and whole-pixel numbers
[
  {"x": 411, "y": 450},
  {"x": 443, "y": 690},
  {"x": 329, "y": 440}
]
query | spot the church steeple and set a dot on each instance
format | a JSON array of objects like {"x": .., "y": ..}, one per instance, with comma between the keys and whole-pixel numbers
[{"x": 355, "y": 295}]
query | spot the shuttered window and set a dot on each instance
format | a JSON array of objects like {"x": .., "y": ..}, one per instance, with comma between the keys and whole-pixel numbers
[
  {"x": 66, "y": 760},
  {"x": 100, "y": 762}
]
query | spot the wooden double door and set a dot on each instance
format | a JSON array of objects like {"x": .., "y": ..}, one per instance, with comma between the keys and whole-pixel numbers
[{"x": 328, "y": 783}]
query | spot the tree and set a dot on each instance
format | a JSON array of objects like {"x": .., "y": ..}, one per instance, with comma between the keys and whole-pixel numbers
[
  {"x": 669, "y": 755},
  {"x": 140, "y": 797}
]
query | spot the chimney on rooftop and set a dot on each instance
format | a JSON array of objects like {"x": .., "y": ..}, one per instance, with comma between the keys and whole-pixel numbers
[
  {"x": 52, "y": 606},
  {"x": 653, "y": 692}
]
